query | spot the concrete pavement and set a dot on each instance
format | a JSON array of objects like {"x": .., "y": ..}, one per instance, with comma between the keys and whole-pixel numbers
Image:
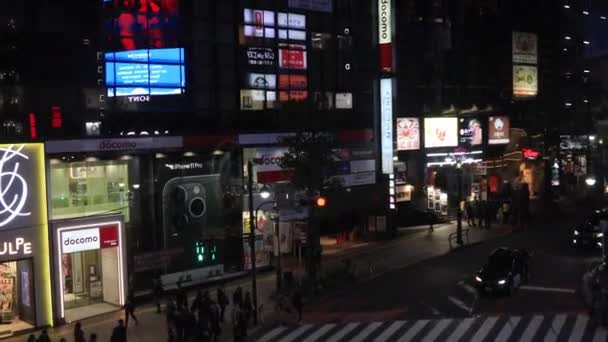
[{"x": 371, "y": 260}]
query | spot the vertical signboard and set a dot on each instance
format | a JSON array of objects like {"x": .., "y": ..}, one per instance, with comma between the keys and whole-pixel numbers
[
  {"x": 525, "y": 64},
  {"x": 525, "y": 48},
  {"x": 385, "y": 35},
  {"x": 525, "y": 80},
  {"x": 386, "y": 124}
]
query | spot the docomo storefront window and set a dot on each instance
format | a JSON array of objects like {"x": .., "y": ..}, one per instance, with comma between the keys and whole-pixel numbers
[{"x": 89, "y": 239}]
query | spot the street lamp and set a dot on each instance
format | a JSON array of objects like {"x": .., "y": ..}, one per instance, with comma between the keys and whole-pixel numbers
[
  {"x": 254, "y": 287},
  {"x": 265, "y": 192},
  {"x": 590, "y": 181}
]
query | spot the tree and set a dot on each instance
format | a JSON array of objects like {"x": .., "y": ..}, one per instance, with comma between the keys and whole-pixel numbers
[{"x": 310, "y": 159}]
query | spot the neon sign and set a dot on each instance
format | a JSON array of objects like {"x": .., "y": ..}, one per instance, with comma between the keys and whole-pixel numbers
[
  {"x": 529, "y": 153},
  {"x": 13, "y": 186}
]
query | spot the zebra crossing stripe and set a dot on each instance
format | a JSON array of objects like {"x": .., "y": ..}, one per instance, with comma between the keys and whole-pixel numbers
[
  {"x": 317, "y": 334},
  {"x": 436, "y": 331},
  {"x": 601, "y": 334},
  {"x": 556, "y": 327},
  {"x": 579, "y": 328},
  {"x": 296, "y": 333},
  {"x": 461, "y": 329},
  {"x": 485, "y": 329},
  {"x": 531, "y": 328},
  {"x": 409, "y": 335},
  {"x": 343, "y": 332},
  {"x": 508, "y": 329},
  {"x": 366, "y": 332},
  {"x": 272, "y": 334},
  {"x": 389, "y": 331}
]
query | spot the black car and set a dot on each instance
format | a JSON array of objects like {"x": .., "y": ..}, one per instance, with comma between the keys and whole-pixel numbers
[
  {"x": 505, "y": 271},
  {"x": 589, "y": 232}
]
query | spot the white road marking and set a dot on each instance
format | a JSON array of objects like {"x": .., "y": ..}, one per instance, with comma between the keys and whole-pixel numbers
[
  {"x": 317, "y": 334},
  {"x": 437, "y": 330},
  {"x": 579, "y": 328},
  {"x": 459, "y": 304},
  {"x": 485, "y": 328},
  {"x": 532, "y": 328},
  {"x": 389, "y": 331},
  {"x": 556, "y": 327},
  {"x": 413, "y": 330},
  {"x": 272, "y": 334},
  {"x": 296, "y": 333},
  {"x": 508, "y": 329},
  {"x": 343, "y": 332},
  {"x": 461, "y": 329},
  {"x": 547, "y": 289},
  {"x": 366, "y": 332},
  {"x": 601, "y": 334}
]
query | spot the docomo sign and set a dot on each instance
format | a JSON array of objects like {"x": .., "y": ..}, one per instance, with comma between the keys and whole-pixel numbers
[
  {"x": 385, "y": 35},
  {"x": 384, "y": 21},
  {"x": 89, "y": 239}
]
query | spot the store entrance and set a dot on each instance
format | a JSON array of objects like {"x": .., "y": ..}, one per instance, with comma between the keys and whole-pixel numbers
[
  {"x": 17, "y": 304},
  {"x": 82, "y": 274}
]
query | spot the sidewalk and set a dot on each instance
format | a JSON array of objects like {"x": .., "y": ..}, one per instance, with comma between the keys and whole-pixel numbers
[{"x": 372, "y": 259}]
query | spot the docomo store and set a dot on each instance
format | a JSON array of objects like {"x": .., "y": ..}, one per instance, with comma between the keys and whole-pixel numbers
[{"x": 90, "y": 264}]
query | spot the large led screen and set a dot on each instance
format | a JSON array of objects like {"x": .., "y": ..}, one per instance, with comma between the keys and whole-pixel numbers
[
  {"x": 499, "y": 128},
  {"x": 440, "y": 132},
  {"x": 471, "y": 132},
  {"x": 145, "y": 72},
  {"x": 143, "y": 56}
]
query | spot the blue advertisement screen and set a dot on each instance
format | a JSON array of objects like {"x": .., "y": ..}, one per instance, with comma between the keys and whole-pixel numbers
[{"x": 145, "y": 72}]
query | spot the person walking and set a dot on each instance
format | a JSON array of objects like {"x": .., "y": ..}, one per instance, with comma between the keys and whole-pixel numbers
[
  {"x": 32, "y": 338},
  {"x": 506, "y": 212},
  {"x": 215, "y": 327},
  {"x": 119, "y": 333},
  {"x": 298, "y": 303},
  {"x": 130, "y": 309},
  {"x": 236, "y": 323},
  {"x": 237, "y": 296},
  {"x": 222, "y": 301},
  {"x": 44, "y": 336},
  {"x": 469, "y": 211},
  {"x": 181, "y": 296},
  {"x": 247, "y": 309},
  {"x": 157, "y": 291},
  {"x": 93, "y": 338},
  {"x": 78, "y": 333}
]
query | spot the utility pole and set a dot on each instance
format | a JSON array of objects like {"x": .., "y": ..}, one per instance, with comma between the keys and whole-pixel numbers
[
  {"x": 459, "y": 210},
  {"x": 254, "y": 287}
]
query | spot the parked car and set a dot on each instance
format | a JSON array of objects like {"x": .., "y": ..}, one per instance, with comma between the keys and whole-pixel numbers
[
  {"x": 505, "y": 271},
  {"x": 588, "y": 233}
]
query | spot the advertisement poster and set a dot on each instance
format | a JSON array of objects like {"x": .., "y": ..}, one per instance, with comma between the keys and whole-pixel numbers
[
  {"x": 499, "y": 128},
  {"x": 261, "y": 56},
  {"x": 408, "y": 134},
  {"x": 7, "y": 289},
  {"x": 261, "y": 81},
  {"x": 292, "y": 57},
  {"x": 403, "y": 193},
  {"x": 470, "y": 132},
  {"x": 344, "y": 100},
  {"x": 440, "y": 132},
  {"x": 262, "y": 257},
  {"x": 525, "y": 48},
  {"x": 525, "y": 80}
]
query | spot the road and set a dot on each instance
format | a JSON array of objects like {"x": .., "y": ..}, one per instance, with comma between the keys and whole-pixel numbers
[{"x": 443, "y": 286}]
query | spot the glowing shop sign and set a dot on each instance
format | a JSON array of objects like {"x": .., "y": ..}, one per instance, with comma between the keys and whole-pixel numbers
[{"x": 13, "y": 186}]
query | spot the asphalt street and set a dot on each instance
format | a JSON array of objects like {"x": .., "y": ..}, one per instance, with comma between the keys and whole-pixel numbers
[{"x": 443, "y": 286}]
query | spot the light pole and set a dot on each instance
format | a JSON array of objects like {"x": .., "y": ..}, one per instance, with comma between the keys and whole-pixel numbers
[
  {"x": 252, "y": 227},
  {"x": 459, "y": 210},
  {"x": 265, "y": 194}
]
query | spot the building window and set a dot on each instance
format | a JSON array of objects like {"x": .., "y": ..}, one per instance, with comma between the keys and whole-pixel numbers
[{"x": 320, "y": 41}]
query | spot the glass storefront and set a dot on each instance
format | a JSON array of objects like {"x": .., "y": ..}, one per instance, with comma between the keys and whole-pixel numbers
[
  {"x": 89, "y": 188},
  {"x": 17, "y": 307}
]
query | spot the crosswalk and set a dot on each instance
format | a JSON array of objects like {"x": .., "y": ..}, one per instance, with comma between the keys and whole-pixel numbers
[{"x": 548, "y": 328}]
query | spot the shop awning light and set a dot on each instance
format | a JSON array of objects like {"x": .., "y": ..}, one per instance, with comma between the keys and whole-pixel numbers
[{"x": 436, "y": 154}]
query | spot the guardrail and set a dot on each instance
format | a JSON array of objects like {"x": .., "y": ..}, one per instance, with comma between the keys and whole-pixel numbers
[{"x": 454, "y": 237}]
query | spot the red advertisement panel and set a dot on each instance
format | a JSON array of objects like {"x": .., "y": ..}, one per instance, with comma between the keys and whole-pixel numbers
[
  {"x": 293, "y": 82},
  {"x": 292, "y": 58},
  {"x": 109, "y": 236}
]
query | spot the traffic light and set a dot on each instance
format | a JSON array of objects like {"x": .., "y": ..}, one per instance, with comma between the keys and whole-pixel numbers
[{"x": 320, "y": 201}]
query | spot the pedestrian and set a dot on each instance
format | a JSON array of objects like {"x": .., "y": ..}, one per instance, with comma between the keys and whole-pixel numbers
[
  {"x": 222, "y": 301},
  {"x": 297, "y": 303},
  {"x": 32, "y": 338},
  {"x": 119, "y": 333},
  {"x": 489, "y": 214},
  {"x": 237, "y": 297},
  {"x": 197, "y": 302},
  {"x": 469, "y": 211},
  {"x": 216, "y": 329},
  {"x": 157, "y": 289},
  {"x": 481, "y": 214},
  {"x": 431, "y": 219},
  {"x": 236, "y": 323},
  {"x": 247, "y": 308},
  {"x": 63, "y": 340},
  {"x": 78, "y": 333},
  {"x": 506, "y": 212},
  {"x": 44, "y": 336},
  {"x": 170, "y": 335},
  {"x": 93, "y": 338},
  {"x": 181, "y": 296},
  {"x": 130, "y": 309}
]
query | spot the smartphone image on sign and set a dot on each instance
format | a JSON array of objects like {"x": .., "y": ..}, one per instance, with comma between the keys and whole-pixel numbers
[{"x": 190, "y": 204}]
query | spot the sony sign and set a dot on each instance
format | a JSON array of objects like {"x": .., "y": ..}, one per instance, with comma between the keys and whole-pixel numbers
[
  {"x": 384, "y": 21},
  {"x": 139, "y": 98},
  {"x": 80, "y": 240},
  {"x": 386, "y": 124}
]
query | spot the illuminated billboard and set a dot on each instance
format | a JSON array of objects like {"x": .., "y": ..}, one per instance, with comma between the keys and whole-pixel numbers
[
  {"x": 470, "y": 131},
  {"x": 440, "y": 132},
  {"x": 408, "y": 134},
  {"x": 525, "y": 80},
  {"x": 145, "y": 72},
  {"x": 262, "y": 24},
  {"x": 143, "y": 55},
  {"x": 498, "y": 130},
  {"x": 292, "y": 56}
]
